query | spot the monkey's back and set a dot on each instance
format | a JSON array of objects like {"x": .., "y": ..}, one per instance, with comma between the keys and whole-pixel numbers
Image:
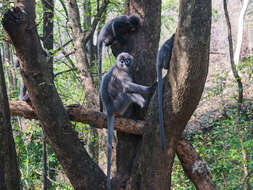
[{"x": 114, "y": 95}]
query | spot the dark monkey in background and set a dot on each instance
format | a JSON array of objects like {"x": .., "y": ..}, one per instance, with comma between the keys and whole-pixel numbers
[
  {"x": 115, "y": 30},
  {"x": 163, "y": 61},
  {"x": 118, "y": 92}
]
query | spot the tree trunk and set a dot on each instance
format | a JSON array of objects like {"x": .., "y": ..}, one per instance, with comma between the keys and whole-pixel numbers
[
  {"x": 9, "y": 172},
  {"x": 8, "y": 60},
  {"x": 189, "y": 66},
  {"x": 234, "y": 60},
  {"x": 93, "y": 145},
  {"x": 79, "y": 41},
  {"x": 148, "y": 36}
]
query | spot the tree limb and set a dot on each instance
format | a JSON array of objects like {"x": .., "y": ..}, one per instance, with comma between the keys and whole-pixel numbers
[
  {"x": 80, "y": 114},
  {"x": 194, "y": 168}
]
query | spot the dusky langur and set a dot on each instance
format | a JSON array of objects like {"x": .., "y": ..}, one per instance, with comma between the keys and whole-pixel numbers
[
  {"x": 115, "y": 30},
  {"x": 163, "y": 61},
  {"x": 118, "y": 92}
]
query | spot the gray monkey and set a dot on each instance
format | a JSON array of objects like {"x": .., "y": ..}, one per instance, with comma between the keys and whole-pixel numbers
[
  {"x": 118, "y": 92},
  {"x": 115, "y": 29},
  {"x": 163, "y": 61}
]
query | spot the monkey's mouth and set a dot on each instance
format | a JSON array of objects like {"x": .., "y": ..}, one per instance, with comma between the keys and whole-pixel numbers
[{"x": 128, "y": 64}]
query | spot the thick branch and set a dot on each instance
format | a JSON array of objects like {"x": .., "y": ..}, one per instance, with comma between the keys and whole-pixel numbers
[
  {"x": 80, "y": 114},
  {"x": 194, "y": 168}
]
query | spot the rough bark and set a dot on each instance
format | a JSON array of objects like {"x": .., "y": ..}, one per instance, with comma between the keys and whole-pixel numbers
[
  {"x": 194, "y": 168},
  {"x": 82, "y": 172},
  {"x": 9, "y": 172},
  {"x": 81, "y": 114},
  {"x": 183, "y": 87}
]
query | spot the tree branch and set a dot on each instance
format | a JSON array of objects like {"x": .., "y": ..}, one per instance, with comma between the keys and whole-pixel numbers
[
  {"x": 95, "y": 21},
  {"x": 80, "y": 114},
  {"x": 194, "y": 168}
]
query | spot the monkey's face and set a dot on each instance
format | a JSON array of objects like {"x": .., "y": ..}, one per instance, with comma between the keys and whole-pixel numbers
[{"x": 124, "y": 61}]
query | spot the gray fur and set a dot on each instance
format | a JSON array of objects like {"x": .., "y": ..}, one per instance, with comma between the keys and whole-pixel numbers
[
  {"x": 118, "y": 92},
  {"x": 163, "y": 60},
  {"x": 115, "y": 29}
]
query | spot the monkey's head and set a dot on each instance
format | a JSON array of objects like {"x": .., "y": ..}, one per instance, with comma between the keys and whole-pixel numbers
[
  {"x": 124, "y": 61},
  {"x": 135, "y": 22}
]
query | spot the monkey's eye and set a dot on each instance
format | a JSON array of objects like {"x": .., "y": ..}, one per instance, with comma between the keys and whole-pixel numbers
[{"x": 127, "y": 62}]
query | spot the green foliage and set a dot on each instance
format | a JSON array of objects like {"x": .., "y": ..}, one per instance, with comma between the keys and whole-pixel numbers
[
  {"x": 221, "y": 149},
  {"x": 168, "y": 18},
  {"x": 29, "y": 151}
]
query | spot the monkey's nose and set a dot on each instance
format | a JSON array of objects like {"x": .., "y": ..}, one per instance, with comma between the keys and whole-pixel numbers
[{"x": 128, "y": 63}]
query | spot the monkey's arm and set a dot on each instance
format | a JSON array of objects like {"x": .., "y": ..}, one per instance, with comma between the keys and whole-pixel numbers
[
  {"x": 136, "y": 88},
  {"x": 139, "y": 89},
  {"x": 138, "y": 99}
]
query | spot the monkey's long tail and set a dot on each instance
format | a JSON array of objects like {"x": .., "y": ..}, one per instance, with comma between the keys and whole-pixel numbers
[
  {"x": 160, "y": 103},
  {"x": 99, "y": 53},
  {"x": 110, "y": 125}
]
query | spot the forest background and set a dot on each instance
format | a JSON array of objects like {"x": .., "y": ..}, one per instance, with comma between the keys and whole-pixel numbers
[{"x": 225, "y": 147}]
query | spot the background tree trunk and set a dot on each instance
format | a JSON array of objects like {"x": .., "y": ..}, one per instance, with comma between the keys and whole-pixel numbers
[
  {"x": 9, "y": 172},
  {"x": 10, "y": 72}
]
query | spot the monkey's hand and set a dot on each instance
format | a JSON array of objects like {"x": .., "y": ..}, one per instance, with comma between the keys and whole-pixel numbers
[{"x": 153, "y": 87}]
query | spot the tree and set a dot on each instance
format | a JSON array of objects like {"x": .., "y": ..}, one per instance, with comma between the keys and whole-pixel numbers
[
  {"x": 145, "y": 166},
  {"x": 9, "y": 173}
]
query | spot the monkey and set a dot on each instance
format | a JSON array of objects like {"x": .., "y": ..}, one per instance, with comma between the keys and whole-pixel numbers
[
  {"x": 115, "y": 30},
  {"x": 163, "y": 61},
  {"x": 118, "y": 92}
]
